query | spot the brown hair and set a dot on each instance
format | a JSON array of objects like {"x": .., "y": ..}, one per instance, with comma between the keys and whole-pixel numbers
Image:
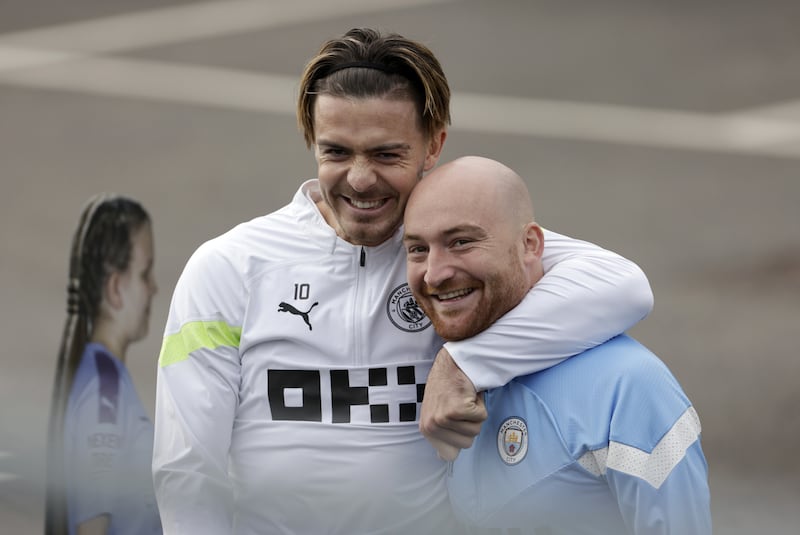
[{"x": 363, "y": 64}]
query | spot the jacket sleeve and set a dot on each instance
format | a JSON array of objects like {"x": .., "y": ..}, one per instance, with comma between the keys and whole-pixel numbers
[
  {"x": 197, "y": 396},
  {"x": 587, "y": 296},
  {"x": 654, "y": 463},
  {"x": 681, "y": 504}
]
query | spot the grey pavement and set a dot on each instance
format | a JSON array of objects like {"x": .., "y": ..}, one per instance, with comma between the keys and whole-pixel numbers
[{"x": 666, "y": 131}]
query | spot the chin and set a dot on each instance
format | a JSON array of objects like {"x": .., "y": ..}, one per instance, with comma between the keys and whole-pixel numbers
[
  {"x": 454, "y": 333},
  {"x": 371, "y": 232}
]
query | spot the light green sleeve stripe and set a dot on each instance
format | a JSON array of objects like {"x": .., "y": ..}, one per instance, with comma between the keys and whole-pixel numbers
[{"x": 197, "y": 335}]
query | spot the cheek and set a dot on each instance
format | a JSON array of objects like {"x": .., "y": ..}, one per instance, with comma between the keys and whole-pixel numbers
[
  {"x": 328, "y": 175},
  {"x": 142, "y": 295},
  {"x": 323, "y": 175},
  {"x": 407, "y": 185},
  {"x": 402, "y": 177},
  {"x": 414, "y": 273}
]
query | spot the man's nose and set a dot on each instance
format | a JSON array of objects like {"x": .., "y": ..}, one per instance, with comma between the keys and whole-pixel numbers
[
  {"x": 439, "y": 268},
  {"x": 361, "y": 175}
]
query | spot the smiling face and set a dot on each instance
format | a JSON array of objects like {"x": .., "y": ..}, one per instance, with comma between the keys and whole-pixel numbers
[
  {"x": 472, "y": 250},
  {"x": 371, "y": 153}
]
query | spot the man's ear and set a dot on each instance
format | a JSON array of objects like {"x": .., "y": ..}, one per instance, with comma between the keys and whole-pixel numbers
[
  {"x": 435, "y": 146},
  {"x": 533, "y": 240},
  {"x": 112, "y": 290}
]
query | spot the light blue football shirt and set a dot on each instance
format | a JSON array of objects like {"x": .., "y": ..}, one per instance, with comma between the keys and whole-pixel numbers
[
  {"x": 603, "y": 443},
  {"x": 108, "y": 445}
]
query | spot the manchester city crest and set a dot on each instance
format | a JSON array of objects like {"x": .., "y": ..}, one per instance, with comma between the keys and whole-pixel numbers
[
  {"x": 404, "y": 312},
  {"x": 512, "y": 440}
]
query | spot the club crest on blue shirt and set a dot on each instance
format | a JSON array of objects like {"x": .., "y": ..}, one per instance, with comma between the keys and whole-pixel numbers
[{"x": 512, "y": 440}]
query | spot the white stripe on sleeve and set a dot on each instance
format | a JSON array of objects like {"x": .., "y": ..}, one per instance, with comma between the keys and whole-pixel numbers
[{"x": 653, "y": 467}]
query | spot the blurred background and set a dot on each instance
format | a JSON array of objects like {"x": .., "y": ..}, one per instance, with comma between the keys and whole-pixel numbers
[{"x": 666, "y": 131}]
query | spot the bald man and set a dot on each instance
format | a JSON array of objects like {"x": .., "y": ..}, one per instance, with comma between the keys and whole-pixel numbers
[{"x": 603, "y": 443}]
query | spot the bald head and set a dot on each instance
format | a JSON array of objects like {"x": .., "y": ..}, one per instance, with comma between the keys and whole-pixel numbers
[
  {"x": 477, "y": 181},
  {"x": 473, "y": 248}
]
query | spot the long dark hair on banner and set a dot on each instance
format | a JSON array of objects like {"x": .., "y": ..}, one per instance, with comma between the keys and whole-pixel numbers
[{"x": 102, "y": 244}]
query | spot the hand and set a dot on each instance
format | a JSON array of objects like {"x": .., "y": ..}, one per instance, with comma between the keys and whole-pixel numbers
[{"x": 452, "y": 411}]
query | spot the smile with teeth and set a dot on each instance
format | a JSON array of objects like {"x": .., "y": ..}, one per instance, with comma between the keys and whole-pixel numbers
[
  {"x": 366, "y": 205},
  {"x": 453, "y": 294}
]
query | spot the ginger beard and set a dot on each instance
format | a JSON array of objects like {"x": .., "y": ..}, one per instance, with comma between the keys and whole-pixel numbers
[{"x": 488, "y": 298}]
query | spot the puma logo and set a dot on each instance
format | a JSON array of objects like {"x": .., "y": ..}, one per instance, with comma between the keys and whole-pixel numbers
[
  {"x": 108, "y": 410},
  {"x": 107, "y": 404},
  {"x": 286, "y": 307}
]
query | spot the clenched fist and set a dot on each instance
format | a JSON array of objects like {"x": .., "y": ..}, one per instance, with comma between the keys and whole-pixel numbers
[{"x": 452, "y": 411}]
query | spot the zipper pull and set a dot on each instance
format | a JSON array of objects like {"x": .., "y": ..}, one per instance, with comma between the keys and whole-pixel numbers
[{"x": 363, "y": 257}]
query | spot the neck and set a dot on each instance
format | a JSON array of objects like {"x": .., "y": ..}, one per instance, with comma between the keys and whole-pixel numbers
[{"x": 114, "y": 342}]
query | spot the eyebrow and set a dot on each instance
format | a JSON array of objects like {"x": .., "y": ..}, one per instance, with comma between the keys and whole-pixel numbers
[
  {"x": 379, "y": 148},
  {"x": 459, "y": 229},
  {"x": 391, "y": 146}
]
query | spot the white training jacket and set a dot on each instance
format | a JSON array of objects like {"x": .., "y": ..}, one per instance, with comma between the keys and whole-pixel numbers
[{"x": 292, "y": 369}]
